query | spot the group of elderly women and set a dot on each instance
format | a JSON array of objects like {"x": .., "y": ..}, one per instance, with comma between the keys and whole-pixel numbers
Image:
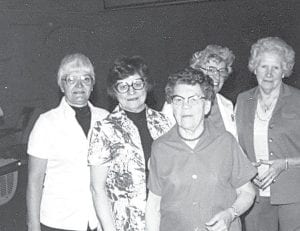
[{"x": 199, "y": 164}]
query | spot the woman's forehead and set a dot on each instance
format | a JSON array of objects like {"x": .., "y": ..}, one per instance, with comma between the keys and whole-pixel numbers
[
  {"x": 77, "y": 70},
  {"x": 187, "y": 90},
  {"x": 213, "y": 62},
  {"x": 130, "y": 78}
]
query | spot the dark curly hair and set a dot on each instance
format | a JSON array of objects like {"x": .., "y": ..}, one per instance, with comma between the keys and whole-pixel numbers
[{"x": 125, "y": 66}]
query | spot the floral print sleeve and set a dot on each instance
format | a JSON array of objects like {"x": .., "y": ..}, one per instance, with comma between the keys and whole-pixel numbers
[
  {"x": 116, "y": 140},
  {"x": 97, "y": 154}
]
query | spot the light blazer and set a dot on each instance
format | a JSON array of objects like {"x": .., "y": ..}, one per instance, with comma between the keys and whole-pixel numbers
[{"x": 283, "y": 137}]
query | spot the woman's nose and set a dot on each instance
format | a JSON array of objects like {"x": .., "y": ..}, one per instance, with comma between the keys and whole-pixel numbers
[
  {"x": 79, "y": 83},
  {"x": 131, "y": 90}
]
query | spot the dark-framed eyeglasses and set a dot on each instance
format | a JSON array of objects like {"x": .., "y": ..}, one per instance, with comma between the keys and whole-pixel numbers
[
  {"x": 123, "y": 87},
  {"x": 213, "y": 70},
  {"x": 191, "y": 101},
  {"x": 74, "y": 79}
]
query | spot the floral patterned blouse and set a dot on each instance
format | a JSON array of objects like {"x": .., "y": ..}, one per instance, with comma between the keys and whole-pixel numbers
[{"x": 116, "y": 141}]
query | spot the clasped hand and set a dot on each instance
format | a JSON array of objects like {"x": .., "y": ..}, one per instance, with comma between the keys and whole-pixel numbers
[
  {"x": 220, "y": 222},
  {"x": 270, "y": 176}
]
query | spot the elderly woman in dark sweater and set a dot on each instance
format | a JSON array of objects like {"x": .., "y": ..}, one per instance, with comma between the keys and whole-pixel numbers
[{"x": 268, "y": 124}]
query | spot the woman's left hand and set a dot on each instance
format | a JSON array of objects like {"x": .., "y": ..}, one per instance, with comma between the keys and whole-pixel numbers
[
  {"x": 220, "y": 222},
  {"x": 270, "y": 176}
]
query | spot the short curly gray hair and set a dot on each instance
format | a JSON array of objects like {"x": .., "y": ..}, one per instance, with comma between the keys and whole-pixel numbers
[
  {"x": 190, "y": 76},
  {"x": 276, "y": 45},
  {"x": 222, "y": 54}
]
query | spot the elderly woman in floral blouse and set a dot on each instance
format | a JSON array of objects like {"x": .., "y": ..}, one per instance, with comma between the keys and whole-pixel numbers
[{"x": 120, "y": 148}]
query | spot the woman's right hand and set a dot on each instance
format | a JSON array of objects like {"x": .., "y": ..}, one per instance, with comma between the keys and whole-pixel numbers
[{"x": 220, "y": 222}]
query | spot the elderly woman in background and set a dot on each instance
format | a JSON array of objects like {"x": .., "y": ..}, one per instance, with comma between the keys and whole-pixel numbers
[
  {"x": 199, "y": 177},
  {"x": 216, "y": 62},
  {"x": 58, "y": 191},
  {"x": 120, "y": 148},
  {"x": 268, "y": 125}
]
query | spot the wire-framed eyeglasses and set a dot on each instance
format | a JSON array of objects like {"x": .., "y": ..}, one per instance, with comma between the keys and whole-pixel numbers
[
  {"x": 191, "y": 101},
  {"x": 213, "y": 70},
  {"x": 123, "y": 87},
  {"x": 73, "y": 79}
]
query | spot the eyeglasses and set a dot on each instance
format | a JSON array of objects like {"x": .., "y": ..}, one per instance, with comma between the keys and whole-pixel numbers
[
  {"x": 191, "y": 101},
  {"x": 213, "y": 70},
  {"x": 123, "y": 87},
  {"x": 73, "y": 79}
]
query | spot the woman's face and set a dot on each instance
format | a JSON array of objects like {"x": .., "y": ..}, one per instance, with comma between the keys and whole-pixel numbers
[
  {"x": 217, "y": 71},
  {"x": 134, "y": 99},
  {"x": 77, "y": 87},
  {"x": 190, "y": 109},
  {"x": 269, "y": 72}
]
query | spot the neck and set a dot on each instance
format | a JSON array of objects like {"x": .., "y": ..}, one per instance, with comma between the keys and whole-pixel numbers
[
  {"x": 134, "y": 110},
  {"x": 265, "y": 95},
  {"x": 190, "y": 134}
]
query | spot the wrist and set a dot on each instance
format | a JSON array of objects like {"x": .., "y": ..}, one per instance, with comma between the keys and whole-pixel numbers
[
  {"x": 286, "y": 164},
  {"x": 234, "y": 213}
]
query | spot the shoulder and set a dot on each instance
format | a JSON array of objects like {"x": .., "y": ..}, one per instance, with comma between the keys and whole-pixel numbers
[
  {"x": 247, "y": 94},
  {"x": 295, "y": 92},
  {"x": 153, "y": 113},
  {"x": 223, "y": 100},
  {"x": 50, "y": 115},
  {"x": 165, "y": 138},
  {"x": 99, "y": 112},
  {"x": 158, "y": 119}
]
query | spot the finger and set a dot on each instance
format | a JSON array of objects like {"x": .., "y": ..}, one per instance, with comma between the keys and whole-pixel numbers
[
  {"x": 212, "y": 221},
  {"x": 255, "y": 164},
  {"x": 267, "y": 174},
  {"x": 257, "y": 182},
  {"x": 266, "y": 162},
  {"x": 266, "y": 183}
]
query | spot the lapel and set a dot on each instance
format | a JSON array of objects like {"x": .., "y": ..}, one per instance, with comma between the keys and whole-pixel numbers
[
  {"x": 282, "y": 99},
  {"x": 250, "y": 108}
]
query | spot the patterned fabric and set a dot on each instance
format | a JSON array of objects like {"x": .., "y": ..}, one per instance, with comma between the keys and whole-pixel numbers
[{"x": 116, "y": 141}]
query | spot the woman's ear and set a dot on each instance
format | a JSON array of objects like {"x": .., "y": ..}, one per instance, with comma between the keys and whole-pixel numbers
[
  {"x": 207, "y": 107},
  {"x": 61, "y": 88}
]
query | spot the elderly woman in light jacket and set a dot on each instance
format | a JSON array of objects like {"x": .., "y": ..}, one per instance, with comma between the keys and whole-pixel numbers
[{"x": 216, "y": 62}]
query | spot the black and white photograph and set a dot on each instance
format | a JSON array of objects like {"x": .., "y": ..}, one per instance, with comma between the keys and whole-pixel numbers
[{"x": 149, "y": 115}]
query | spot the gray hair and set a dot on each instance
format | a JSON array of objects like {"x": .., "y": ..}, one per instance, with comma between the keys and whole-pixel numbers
[
  {"x": 74, "y": 62},
  {"x": 190, "y": 76},
  {"x": 221, "y": 54},
  {"x": 276, "y": 45}
]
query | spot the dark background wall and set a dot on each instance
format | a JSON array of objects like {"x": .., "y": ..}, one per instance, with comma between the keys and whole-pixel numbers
[{"x": 35, "y": 35}]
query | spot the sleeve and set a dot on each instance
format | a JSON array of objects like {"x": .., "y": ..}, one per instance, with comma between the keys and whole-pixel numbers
[
  {"x": 39, "y": 142},
  {"x": 168, "y": 112},
  {"x": 99, "y": 151},
  {"x": 242, "y": 169},
  {"x": 154, "y": 181}
]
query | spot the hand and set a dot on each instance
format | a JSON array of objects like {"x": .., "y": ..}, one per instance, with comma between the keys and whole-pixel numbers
[
  {"x": 220, "y": 222},
  {"x": 256, "y": 164},
  {"x": 256, "y": 181},
  {"x": 270, "y": 176}
]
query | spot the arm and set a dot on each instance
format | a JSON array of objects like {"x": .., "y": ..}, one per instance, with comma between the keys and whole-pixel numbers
[
  {"x": 153, "y": 212},
  {"x": 244, "y": 200},
  {"x": 101, "y": 201},
  {"x": 36, "y": 173}
]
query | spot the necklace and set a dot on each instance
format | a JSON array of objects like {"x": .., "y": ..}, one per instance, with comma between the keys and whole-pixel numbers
[
  {"x": 188, "y": 139},
  {"x": 264, "y": 114},
  {"x": 265, "y": 107}
]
